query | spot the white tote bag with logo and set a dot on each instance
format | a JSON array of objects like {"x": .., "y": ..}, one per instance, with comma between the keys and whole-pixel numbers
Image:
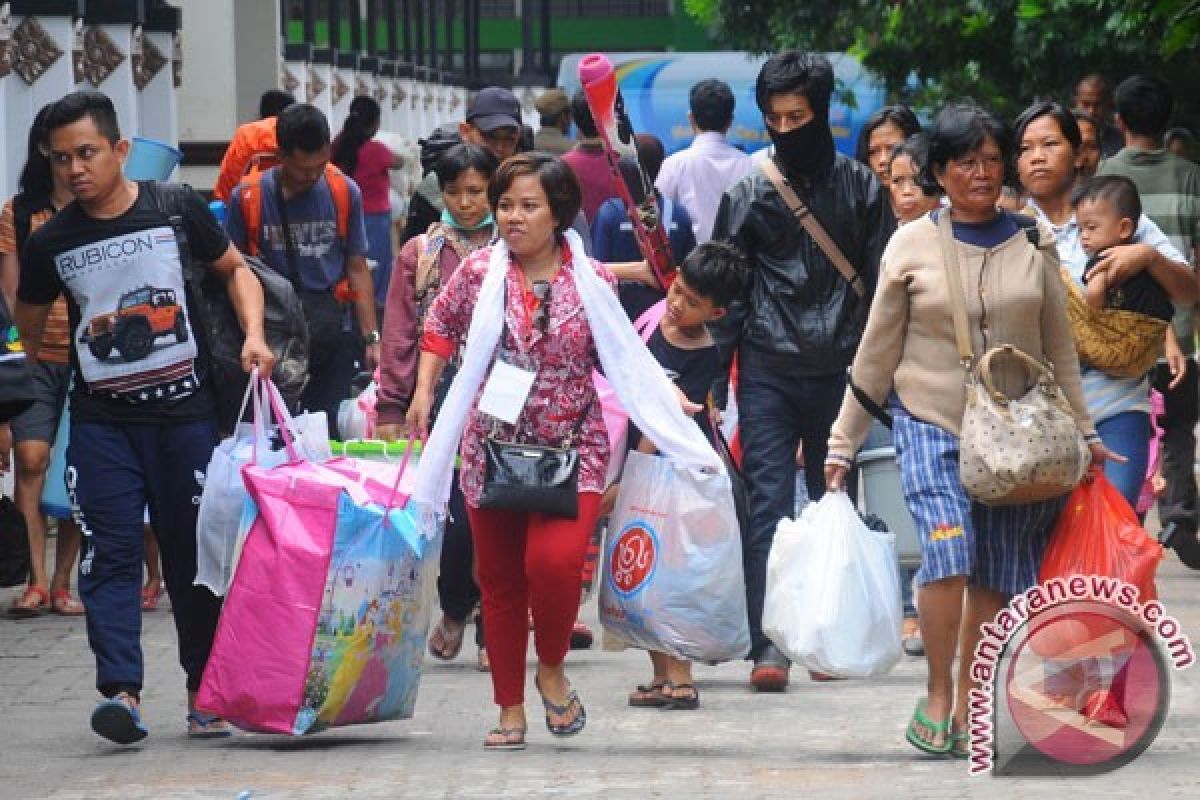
[{"x": 673, "y": 563}]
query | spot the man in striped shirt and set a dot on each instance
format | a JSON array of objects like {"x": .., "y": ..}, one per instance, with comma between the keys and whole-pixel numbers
[{"x": 1170, "y": 192}]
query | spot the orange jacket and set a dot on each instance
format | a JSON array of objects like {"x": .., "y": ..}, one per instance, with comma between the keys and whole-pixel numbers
[{"x": 252, "y": 149}]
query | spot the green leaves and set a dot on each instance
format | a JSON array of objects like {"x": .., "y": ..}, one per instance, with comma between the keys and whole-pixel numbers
[{"x": 1002, "y": 53}]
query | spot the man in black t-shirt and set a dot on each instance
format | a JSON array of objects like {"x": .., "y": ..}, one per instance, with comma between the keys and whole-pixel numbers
[{"x": 143, "y": 417}]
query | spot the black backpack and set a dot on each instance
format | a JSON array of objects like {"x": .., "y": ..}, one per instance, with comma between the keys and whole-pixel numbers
[
  {"x": 14, "y": 545},
  {"x": 16, "y": 377},
  {"x": 283, "y": 323}
]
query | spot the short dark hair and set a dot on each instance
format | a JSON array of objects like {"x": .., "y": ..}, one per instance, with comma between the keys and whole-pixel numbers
[
  {"x": 1046, "y": 108},
  {"x": 1144, "y": 103},
  {"x": 1094, "y": 78},
  {"x": 900, "y": 116},
  {"x": 274, "y": 101},
  {"x": 582, "y": 114},
  {"x": 1117, "y": 190},
  {"x": 302, "y": 127},
  {"x": 85, "y": 103},
  {"x": 711, "y": 103},
  {"x": 557, "y": 179},
  {"x": 916, "y": 148},
  {"x": 959, "y": 129},
  {"x": 650, "y": 153},
  {"x": 717, "y": 271},
  {"x": 796, "y": 72},
  {"x": 462, "y": 157}
]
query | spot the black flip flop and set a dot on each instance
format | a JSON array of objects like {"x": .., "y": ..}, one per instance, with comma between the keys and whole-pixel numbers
[{"x": 688, "y": 702}]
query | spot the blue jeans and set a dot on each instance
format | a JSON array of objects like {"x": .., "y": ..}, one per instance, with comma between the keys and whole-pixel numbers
[
  {"x": 1127, "y": 434},
  {"x": 379, "y": 248},
  {"x": 114, "y": 472}
]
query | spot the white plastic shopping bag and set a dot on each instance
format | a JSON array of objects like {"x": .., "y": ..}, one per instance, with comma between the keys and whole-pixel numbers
[
  {"x": 833, "y": 592},
  {"x": 672, "y": 578},
  {"x": 222, "y": 520}
]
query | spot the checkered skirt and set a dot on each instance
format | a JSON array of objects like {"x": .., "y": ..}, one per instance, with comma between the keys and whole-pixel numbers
[{"x": 999, "y": 547}]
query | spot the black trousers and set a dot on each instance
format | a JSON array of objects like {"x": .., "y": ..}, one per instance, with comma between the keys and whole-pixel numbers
[
  {"x": 778, "y": 412},
  {"x": 458, "y": 592}
]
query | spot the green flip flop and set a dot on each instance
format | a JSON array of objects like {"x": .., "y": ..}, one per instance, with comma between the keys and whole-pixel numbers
[
  {"x": 924, "y": 745},
  {"x": 960, "y": 744}
]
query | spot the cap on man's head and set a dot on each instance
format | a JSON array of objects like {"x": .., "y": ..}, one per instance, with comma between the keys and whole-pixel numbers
[
  {"x": 494, "y": 108},
  {"x": 552, "y": 102}
]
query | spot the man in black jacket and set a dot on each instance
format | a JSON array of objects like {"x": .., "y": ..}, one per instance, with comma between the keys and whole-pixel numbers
[{"x": 797, "y": 326}]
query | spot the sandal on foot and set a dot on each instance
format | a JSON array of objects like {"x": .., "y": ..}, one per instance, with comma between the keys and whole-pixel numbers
[
  {"x": 485, "y": 663},
  {"x": 649, "y": 695},
  {"x": 202, "y": 726},
  {"x": 915, "y": 738},
  {"x": 960, "y": 744},
  {"x": 689, "y": 701},
  {"x": 33, "y": 601},
  {"x": 573, "y": 702},
  {"x": 505, "y": 739},
  {"x": 117, "y": 719},
  {"x": 150, "y": 595},
  {"x": 63, "y": 604},
  {"x": 451, "y": 643}
]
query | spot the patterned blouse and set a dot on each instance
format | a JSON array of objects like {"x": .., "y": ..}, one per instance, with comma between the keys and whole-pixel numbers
[{"x": 564, "y": 358}]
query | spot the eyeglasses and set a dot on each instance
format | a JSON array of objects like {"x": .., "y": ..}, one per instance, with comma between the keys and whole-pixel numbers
[{"x": 541, "y": 317}]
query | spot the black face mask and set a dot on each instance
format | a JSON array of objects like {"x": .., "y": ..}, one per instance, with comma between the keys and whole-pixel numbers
[{"x": 806, "y": 150}]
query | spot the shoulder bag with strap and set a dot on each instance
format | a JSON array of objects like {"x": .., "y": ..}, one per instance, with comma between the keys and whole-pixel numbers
[
  {"x": 1011, "y": 451},
  {"x": 810, "y": 224},
  {"x": 533, "y": 477}
]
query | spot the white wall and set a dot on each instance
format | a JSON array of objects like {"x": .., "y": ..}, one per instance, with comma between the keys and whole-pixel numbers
[{"x": 208, "y": 96}]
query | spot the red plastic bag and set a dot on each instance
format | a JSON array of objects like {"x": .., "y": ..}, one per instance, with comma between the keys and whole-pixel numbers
[{"x": 1099, "y": 534}]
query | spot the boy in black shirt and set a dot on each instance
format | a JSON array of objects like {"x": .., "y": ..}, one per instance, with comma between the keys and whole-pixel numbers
[
  {"x": 143, "y": 420},
  {"x": 708, "y": 281}
]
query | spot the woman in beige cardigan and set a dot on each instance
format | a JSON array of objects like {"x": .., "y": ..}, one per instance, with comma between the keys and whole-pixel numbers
[{"x": 909, "y": 361}]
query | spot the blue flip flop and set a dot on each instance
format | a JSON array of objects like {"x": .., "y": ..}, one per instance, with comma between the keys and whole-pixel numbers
[
  {"x": 119, "y": 722},
  {"x": 201, "y": 726}
]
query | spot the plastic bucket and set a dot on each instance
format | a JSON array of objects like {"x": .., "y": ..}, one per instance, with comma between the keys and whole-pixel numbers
[
  {"x": 150, "y": 160},
  {"x": 883, "y": 496}
]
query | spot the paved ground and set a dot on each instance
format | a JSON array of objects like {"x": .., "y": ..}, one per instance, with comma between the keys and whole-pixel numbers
[{"x": 819, "y": 740}]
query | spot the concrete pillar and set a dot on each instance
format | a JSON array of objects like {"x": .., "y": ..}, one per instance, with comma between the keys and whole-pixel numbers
[
  {"x": 38, "y": 71},
  {"x": 158, "y": 105}
]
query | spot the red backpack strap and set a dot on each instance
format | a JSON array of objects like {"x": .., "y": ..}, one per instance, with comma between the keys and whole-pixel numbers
[
  {"x": 251, "y": 202},
  {"x": 340, "y": 189}
]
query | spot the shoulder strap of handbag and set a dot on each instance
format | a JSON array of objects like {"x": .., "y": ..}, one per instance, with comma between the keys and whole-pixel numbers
[
  {"x": 810, "y": 224},
  {"x": 958, "y": 298},
  {"x": 285, "y": 230}
]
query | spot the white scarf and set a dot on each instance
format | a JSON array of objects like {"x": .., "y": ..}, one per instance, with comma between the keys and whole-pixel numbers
[{"x": 640, "y": 383}]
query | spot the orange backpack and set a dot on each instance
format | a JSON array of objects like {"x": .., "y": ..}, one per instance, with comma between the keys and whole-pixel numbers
[{"x": 252, "y": 205}]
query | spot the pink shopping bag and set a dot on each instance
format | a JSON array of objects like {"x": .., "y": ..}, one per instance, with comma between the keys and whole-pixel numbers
[
  {"x": 256, "y": 675},
  {"x": 616, "y": 420}
]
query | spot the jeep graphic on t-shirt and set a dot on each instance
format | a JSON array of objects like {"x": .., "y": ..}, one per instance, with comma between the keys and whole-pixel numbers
[{"x": 134, "y": 333}]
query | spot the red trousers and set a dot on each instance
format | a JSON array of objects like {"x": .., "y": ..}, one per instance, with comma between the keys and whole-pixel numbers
[{"x": 529, "y": 563}]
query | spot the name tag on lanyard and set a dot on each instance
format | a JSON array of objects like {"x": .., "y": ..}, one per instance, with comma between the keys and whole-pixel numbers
[{"x": 506, "y": 391}]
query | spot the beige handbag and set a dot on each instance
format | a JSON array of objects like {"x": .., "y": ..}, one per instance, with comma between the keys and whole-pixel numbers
[{"x": 1011, "y": 450}]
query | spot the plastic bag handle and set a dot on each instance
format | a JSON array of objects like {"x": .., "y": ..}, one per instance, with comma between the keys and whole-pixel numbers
[
  {"x": 263, "y": 410},
  {"x": 408, "y": 451}
]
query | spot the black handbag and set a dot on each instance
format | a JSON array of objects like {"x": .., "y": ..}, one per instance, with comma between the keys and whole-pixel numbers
[
  {"x": 533, "y": 477},
  {"x": 14, "y": 545},
  {"x": 16, "y": 375}
]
